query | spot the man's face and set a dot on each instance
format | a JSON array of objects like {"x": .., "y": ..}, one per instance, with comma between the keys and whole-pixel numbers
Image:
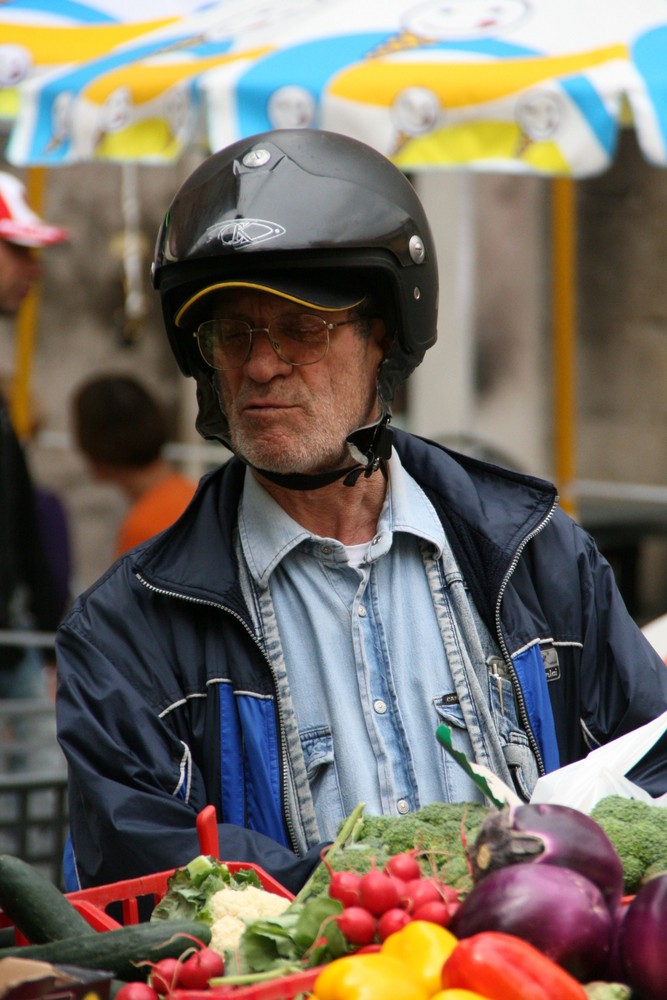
[
  {"x": 289, "y": 418},
  {"x": 19, "y": 269}
]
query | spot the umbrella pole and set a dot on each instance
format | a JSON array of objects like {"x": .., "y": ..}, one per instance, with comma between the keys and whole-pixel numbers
[
  {"x": 564, "y": 280},
  {"x": 26, "y": 324}
]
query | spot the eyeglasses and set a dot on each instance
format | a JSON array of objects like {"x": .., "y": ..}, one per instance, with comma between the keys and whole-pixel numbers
[{"x": 299, "y": 339}]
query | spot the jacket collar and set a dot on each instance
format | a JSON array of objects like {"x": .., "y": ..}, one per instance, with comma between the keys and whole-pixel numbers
[{"x": 487, "y": 512}]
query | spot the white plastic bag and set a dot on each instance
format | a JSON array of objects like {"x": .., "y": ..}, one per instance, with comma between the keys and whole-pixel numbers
[{"x": 603, "y": 772}]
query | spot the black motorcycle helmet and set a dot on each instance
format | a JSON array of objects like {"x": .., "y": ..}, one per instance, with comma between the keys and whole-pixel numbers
[{"x": 317, "y": 216}]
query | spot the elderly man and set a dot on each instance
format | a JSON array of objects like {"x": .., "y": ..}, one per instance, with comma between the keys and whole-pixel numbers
[
  {"x": 29, "y": 597},
  {"x": 336, "y": 590}
]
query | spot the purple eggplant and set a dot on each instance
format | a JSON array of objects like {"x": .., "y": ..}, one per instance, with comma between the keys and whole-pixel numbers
[
  {"x": 557, "y": 910},
  {"x": 641, "y": 940},
  {"x": 552, "y": 835}
]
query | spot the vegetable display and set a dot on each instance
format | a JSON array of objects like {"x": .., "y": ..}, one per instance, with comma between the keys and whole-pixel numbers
[
  {"x": 121, "y": 951},
  {"x": 439, "y": 830},
  {"x": 642, "y": 938},
  {"x": 538, "y": 916},
  {"x": 504, "y": 967},
  {"x": 557, "y": 910},
  {"x": 551, "y": 835},
  {"x": 35, "y": 905},
  {"x": 639, "y": 834}
]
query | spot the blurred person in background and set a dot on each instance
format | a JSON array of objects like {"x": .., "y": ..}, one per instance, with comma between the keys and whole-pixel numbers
[
  {"x": 121, "y": 430},
  {"x": 30, "y": 595}
]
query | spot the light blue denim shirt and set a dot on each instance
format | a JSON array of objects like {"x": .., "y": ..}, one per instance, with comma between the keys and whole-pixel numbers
[{"x": 364, "y": 651}]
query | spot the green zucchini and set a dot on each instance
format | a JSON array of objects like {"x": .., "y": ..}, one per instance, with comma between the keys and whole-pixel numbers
[
  {"x": 35, "y": 905},
  {"x": 117, "y": 951}
]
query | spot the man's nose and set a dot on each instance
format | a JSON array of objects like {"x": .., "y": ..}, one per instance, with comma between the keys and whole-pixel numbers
[{"x": 263, "y": 362}]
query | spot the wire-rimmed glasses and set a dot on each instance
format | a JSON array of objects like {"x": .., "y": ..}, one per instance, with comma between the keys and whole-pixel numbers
[{"x": 298, "y": 339}]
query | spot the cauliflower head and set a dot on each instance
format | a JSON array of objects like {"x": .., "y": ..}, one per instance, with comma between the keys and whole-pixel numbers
[{"x": 233, "y": 909}]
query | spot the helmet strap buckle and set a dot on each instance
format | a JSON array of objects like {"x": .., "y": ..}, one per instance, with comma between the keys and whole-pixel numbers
[{"x": 370, "y": 446}]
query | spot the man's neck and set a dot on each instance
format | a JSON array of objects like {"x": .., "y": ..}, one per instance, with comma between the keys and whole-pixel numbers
[{"x": 347, "y": 513}]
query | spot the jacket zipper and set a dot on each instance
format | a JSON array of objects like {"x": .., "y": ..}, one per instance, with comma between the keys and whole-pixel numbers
[
  {"x": 521, "y": 702},
  {"x": 223, "y": 607}
]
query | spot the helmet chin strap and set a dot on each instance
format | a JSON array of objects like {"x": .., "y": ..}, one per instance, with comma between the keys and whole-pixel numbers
[{"x": 369, "y": 446}]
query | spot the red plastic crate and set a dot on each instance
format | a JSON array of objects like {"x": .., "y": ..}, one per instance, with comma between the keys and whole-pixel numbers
[
  {"x": 283, "y": 988},
  {"x": 93, "y": 903}
]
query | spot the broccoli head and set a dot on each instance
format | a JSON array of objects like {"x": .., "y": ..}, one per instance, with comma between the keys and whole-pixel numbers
[{"x": 638, "y": 831}]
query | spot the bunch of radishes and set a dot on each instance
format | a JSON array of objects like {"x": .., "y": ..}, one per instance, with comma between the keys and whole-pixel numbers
[
  {"x": 192, "y": 971},
  {"x": 382, "y": 901}
]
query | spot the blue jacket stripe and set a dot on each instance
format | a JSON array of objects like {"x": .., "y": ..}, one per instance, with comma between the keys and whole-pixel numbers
[
  {"x": 250, "y": 785},
  {"x": 262, "y": 766},
  {"x": 530, "y": 671},
  {"x": 232, "y": 791}
]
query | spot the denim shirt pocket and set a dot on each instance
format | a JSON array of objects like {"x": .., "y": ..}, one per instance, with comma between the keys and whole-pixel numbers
[
  {"x": 516, "y": 746},
  {"x": 449, "y": 711},
  {"x": 459, "y": 786},
  {"x": 318, "y": 753}
]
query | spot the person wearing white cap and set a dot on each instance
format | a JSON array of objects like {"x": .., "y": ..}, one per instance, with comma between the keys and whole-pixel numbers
[
  {"x": 29, "y": 595},
  {"x": 21, "y": 233}
]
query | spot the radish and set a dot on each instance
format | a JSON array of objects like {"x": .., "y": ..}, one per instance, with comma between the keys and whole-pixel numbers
[
  {"x": 420, "y": 891},
  {"x": 136, "y": 991},
  {"x": 357, "y": 925},
  {"x": 196, "y": 972},
  {"x": 378, "y": 892},
  {"x": 436, "y": 912},
  {"x": 403, "y": 866},
  {"x": 391, "y": 921},
  {"x": 163, "y": 976},
  {"x": 344, "y": 886}
]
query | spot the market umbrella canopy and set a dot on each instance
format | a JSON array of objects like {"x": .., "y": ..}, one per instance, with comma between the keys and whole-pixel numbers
[{"x": 528, "y": 86}]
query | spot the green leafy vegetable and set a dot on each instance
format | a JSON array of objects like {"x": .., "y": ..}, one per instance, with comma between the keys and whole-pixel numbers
[
  {"x": 190, "y": 889},
  {"x": 304, "y": 936}
]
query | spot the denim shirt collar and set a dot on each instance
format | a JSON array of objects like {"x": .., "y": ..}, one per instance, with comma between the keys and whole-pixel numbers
[{"x": 405, "y": 509}]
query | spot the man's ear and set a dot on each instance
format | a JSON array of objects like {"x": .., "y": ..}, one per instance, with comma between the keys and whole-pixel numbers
[{"x": 381, "y": 335}]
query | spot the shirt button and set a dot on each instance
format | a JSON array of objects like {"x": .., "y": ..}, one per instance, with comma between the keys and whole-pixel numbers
[
  {"x": 380, "y": 706},
  {"x": 403, "y": 806},
  {"x": 376, "y": 539},
  {"x": 326, "y": 550},
  {"x": 362, "y": 611}
]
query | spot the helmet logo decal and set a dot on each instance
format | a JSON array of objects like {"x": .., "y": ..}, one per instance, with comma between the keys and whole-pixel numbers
[{"x": 241, "y": 233}]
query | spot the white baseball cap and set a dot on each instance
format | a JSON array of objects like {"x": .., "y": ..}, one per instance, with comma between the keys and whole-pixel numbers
[{"x": 18, "y": 223}]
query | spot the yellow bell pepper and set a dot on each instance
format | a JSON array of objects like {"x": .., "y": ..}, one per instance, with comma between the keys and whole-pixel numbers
[
  {"x": 370, "y": 976},
  {"x": 457, "y": 994},
  {"x": 423, "y": 947}
]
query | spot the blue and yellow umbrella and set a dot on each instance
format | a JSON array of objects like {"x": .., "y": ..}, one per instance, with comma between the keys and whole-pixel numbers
[{"x": 538, "y": 87}]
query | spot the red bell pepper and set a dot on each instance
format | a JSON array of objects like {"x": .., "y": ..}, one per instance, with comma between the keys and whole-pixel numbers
[{"x": 503, "y": 967}]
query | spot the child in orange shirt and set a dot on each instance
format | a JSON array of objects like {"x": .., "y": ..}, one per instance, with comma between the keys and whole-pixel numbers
[{"x": 122, "y": 432}]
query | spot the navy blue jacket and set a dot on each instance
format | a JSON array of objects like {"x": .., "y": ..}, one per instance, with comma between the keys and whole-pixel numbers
[{"x": 166, "y": 702}]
